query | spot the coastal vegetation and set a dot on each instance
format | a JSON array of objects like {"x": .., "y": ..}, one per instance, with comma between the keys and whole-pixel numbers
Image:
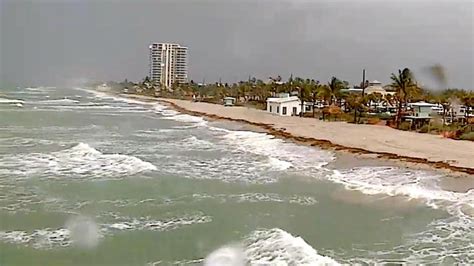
[{"x": 335, "y": 100}]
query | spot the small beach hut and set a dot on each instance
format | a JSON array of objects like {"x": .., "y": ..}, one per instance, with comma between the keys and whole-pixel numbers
[{"x": 229, "y": 101}]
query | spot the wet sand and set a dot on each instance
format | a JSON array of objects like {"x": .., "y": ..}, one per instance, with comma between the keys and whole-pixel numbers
[{"x": 381, "y": 141}]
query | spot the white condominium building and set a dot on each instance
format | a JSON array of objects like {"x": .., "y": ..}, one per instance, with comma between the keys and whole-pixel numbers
[{"x": 168, "y": 63}]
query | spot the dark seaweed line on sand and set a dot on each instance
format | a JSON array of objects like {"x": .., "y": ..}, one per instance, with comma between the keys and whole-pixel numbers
[{"x": 326, "y": 144}]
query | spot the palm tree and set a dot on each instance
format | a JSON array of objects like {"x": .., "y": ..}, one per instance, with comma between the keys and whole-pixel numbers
[
  {"x": 403, "y": 83},
  {"x": 314, "y": 89},
  {"x": 357, "y": 103},
  {"x": 375, "y": 99},
  {"x": 335, "y": 87},
  {"x": 324, "y": 93}
]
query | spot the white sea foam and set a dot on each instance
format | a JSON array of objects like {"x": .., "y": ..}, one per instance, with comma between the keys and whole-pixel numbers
[
  {"x": 278, "y": 247},
  {"x": 159, "y": 108},
  {"x": 11, "y": 101},
  {"x": 193, "y": 142},
  {"x": 226, "y": 169},
  {"x": 41, "y": 88},
  {"x": 394, "y": 181},
  {"x": 104, "y": 95},
  {"x": 255, "y": 197},
  {"x": 278, "y": 164},
  {"x": 38, "y": 90},
  {"x": 80, "y": 160},
  {"x": 168, "y": 112},
  {"x": 281, "y": 154},
  {"x": 267, "y": 247},
  {"x": 40, "y": 239},
  {"x": 86, "y": 233},
  {"x": 184, "y": 118},
  {"x": 249, "y": 157},
  {"x": 57, "y": 101},
  {"x": 445, "y": 241},
  {"x": 147, "y": 223},
  {"x": 258, "y": 197}
]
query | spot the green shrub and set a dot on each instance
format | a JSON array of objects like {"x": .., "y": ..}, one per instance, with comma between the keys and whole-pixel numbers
[
  {"x": 405, "y": 125},
  {"x": 467, "y": 136},
  {"x": 424, "y": 129},
  {"x": 384, "y": 116}
]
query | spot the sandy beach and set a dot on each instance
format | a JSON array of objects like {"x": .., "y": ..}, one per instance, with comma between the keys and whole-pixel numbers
[{"x": 383, "y": 141}]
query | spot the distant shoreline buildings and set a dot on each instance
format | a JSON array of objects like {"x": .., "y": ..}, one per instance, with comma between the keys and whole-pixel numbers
[{"x": 168, "y": 63}]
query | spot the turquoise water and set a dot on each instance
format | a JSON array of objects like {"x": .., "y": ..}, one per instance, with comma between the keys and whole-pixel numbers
[{"x": 92, "y": 179}]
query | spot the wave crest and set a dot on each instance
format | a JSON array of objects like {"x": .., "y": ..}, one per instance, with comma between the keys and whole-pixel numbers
[{"x": 81, "y": 160}]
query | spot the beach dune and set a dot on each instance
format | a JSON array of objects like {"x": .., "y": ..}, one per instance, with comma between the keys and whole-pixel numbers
[{"x": 382, "y": 140}]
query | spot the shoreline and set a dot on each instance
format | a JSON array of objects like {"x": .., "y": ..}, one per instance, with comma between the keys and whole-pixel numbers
[
  {"x": 323, "y": 143},
  {"x": 402, "y": 160}
]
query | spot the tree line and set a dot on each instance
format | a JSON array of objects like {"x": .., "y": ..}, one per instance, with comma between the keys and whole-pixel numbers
[{"x": 332, "y": 96}]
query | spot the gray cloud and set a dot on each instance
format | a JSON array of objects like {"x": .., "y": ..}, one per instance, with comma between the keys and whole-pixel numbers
[{"x": 48, "y": 42}]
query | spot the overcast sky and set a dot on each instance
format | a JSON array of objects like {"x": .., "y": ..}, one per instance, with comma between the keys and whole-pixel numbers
[{"x": 57, "y": 42}]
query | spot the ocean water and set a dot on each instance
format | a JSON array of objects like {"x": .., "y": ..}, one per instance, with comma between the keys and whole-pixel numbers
[{"x": 92, "y": 179}]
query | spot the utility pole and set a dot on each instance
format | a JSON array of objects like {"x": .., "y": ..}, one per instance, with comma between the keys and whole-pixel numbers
[
  {"x": 363, "y": 82},
  {"x": 302, "y": 101}
]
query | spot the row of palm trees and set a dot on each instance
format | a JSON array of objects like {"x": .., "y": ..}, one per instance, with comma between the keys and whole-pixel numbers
[{"x": 329, "y": 94}]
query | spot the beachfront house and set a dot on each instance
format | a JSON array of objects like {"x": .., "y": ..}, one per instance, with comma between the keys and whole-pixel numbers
[
  {"x": 458, "y": 113},
  {"x": 422, "y": 109},
  {"x": 420, "y": 115},
  {"x": 284, "y": 105},
  {"x": 229, "y": 101},
  {"x": 375, "y": 86}
]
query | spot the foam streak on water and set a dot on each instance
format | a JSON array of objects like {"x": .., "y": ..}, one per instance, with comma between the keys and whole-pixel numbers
[{"x": 48, "y": 238}]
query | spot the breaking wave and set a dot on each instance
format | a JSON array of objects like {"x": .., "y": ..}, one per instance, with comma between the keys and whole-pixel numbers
[
  {"x": 11, "y": 101},
  {"x": 412, "y": 184},
  {"x": 81, "y": 160},
  {"x": 268, "y": 145},
  {"x": 278, "y": 247},
  {"x": 269, "y": 247}
]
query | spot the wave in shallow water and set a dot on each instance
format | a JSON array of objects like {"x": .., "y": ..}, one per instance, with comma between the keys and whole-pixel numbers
[
  {"x": 412, "y": 184},
  {"x": 446, "y": 241},
  {"x": 81, "y": 160},
  {"x": 301, "y": 157},
  {"x": 269, "y": 247}
]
